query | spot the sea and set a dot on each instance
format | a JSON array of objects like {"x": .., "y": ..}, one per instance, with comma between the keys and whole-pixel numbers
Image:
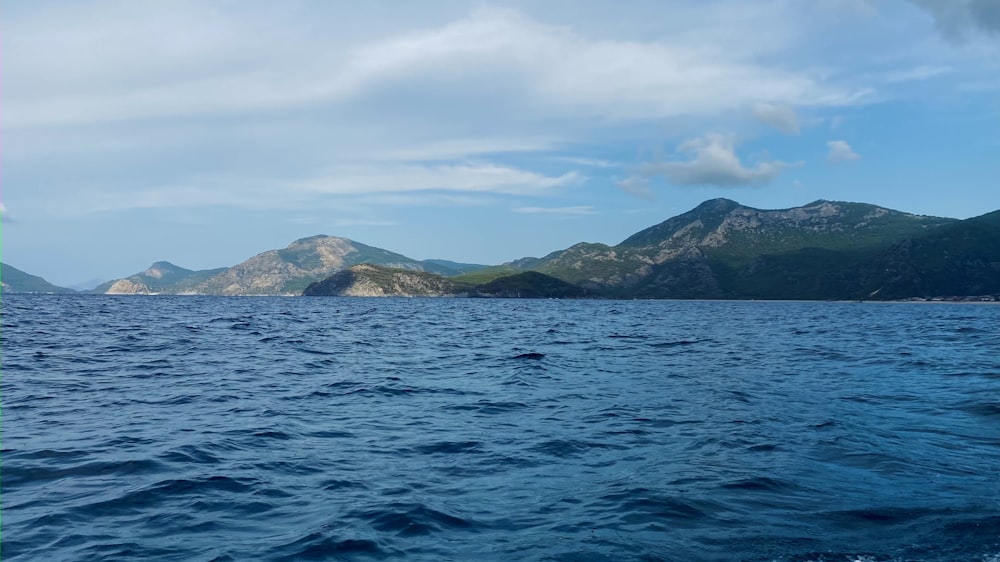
[{"x": 229, "y": 429}]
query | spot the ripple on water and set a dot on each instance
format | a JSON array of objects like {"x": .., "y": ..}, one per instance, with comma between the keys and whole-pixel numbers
[{"x": 419, "y": 429}]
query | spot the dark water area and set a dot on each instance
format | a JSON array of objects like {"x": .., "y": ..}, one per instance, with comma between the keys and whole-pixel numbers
[{"x": 199, "y": 428}]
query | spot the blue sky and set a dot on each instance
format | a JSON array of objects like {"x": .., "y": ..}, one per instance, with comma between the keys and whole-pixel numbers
[{"x": 204, "y": 132}]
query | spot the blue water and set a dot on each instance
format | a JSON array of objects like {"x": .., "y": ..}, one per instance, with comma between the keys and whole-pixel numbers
[{"x": 191, "y": 428}]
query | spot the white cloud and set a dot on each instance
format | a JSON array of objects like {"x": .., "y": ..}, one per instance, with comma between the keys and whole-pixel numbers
[
  {"x": 4, "y": 215},
  {"x": 589, "y": 162},
  {"x": 423, "y": 199},
  {"x": 781, "y": 117},
  {"x": 465, "y": 177},
  {"x": 363, "y": 185},
  {"x": 840, "y": 152},
  {"x": 713, "y": 161},
  {"x": 922, "y": 72},
  {"x": 637, "y": 186},
  {"x": 574, "y": 210},
  {"x": 452, "y": 149}
]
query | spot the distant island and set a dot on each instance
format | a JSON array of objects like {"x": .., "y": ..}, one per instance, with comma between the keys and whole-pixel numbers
[
  {"x": 13, "y": 280},
  {"x": 825, "y": 250},
  {"x": 378, "y": 281}
]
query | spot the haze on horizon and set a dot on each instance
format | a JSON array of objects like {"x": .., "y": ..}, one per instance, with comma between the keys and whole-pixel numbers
[{"x": 203, "y": 133}]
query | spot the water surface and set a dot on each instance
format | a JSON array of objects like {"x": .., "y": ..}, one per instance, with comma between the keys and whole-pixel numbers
[{"x": 201, "y": 428}]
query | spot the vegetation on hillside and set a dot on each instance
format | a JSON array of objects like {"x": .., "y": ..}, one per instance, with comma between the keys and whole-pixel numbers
[
  {"x": 14, "y": 280},
  {"x": 720, "y": 249}
]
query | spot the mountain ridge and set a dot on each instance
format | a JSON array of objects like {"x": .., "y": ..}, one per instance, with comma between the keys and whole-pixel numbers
[
  {"x": 703, "y": 253},
  {"x": 367, "y": 280},
  {"x": 155, "y": 278},
  {"x": 719, "y": 249},
  {"x": 283, "y": 271},
  {"x": 14, "y": 280},
  {"x": 822, "y": 250}
]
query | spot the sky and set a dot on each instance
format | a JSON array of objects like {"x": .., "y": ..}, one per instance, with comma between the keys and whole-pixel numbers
[{"x": 203, "y": 132}]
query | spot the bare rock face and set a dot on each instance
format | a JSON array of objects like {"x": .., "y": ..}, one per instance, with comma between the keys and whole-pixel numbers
[{"x": 127, "y": 287}]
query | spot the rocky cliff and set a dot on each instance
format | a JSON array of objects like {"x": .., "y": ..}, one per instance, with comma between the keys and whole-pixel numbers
[{"x": 127, "y": 287}]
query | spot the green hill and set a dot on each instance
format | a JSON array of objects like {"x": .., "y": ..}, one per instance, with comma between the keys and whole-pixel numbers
[
  {"x": 13, "y": 280},
  {"x": 451, "y": 268},
  {"x": 959, "y": 259},
  {"x": 719, "y": 249},
  {"x": 164, "y": 277},
  {"x": 530, "y": 285},
  {"x": 369, "y": 280},
  {"x": 722, "y": 249}
]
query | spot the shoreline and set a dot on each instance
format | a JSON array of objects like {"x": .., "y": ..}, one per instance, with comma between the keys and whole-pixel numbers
[{"x": 975, "y": 299}]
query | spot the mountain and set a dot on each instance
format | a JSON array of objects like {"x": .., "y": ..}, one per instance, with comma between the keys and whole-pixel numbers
[
  {"x": 13, "y": 280},
  {"x": 161, "y": 277},
  {"x": 722, "y": 249},
  {"x": 290, "y": 270},
  {"x": 275, "y": 272},
  {"x": 530, "y": 285},
  {"x": 368, "y": 280},
  {"x": 959, "y": 259},
  {"x": 451, "y": 268},
  {"x": 719, "y": 249}
]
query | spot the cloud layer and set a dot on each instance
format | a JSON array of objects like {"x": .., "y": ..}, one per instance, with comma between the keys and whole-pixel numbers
[
  {"x": 132, "y": 67},
  {"x": 314, "y": 110},
  {"x": 256, "y": 122}
]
